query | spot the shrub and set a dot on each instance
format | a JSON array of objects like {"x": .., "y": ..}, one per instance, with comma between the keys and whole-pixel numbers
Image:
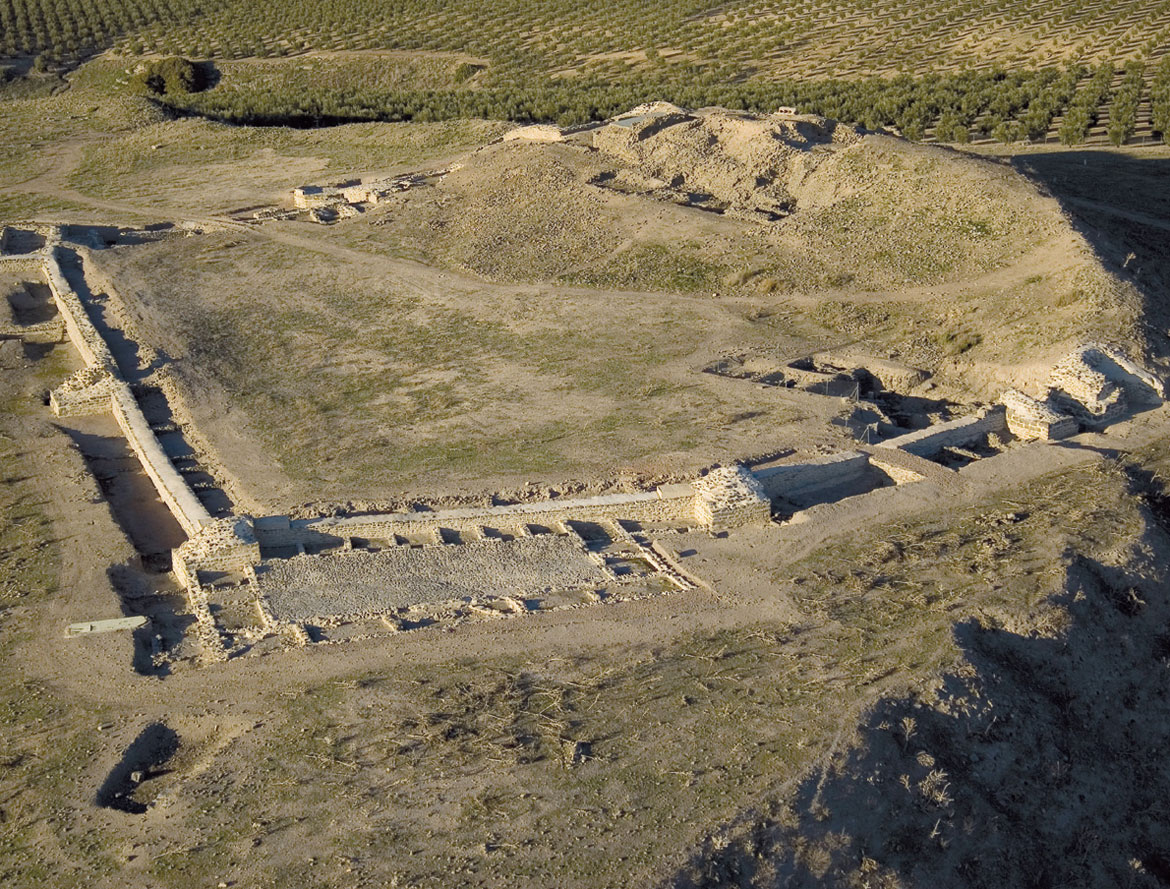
[
  {"x": 171, "y": 76},
  {"x": 1123, "y": 113}
]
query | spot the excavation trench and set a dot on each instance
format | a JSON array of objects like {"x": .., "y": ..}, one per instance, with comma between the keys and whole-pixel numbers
[
  {"x": 137, "y": 368},
  {"x": 146, "y": 758},
  {"x": 133, "y": 499}
]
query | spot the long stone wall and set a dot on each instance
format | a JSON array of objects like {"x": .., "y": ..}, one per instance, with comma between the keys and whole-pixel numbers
[
  {"x": 665, "y": 505},
  {"x": 174, "y": 492},
  {"x": 100, "y": 387},
  {"x": 25, "y": 262},
  {"x": 84, "y": 336},
  {"x": 808, "y": 480},
  {"x": 956, "y": 433}
]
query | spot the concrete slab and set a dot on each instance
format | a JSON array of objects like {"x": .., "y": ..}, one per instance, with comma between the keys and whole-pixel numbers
[{"x": 107, "y": 626}]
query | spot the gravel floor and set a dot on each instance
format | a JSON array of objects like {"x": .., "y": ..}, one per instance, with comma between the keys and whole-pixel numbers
[{"x": 375, "y": 582}]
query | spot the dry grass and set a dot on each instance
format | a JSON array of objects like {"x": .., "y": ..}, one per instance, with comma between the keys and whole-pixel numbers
[{"x": 561, "y": 771}]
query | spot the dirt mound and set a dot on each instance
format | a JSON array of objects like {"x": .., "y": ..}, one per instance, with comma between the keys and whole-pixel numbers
[
  {"x": 926, "y": 253},
  {"x": 515, "y": 213},
  {"x": 801, "y": 202},
  {"x": 725, "y": 160}
]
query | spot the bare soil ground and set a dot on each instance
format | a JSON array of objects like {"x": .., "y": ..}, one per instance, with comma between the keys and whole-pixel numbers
[
  {"x": 955, "y": 682},
  {"x": 541, "y": 317}
]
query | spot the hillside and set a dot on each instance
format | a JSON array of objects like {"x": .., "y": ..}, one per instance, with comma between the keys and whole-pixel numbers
[
  {"x": 591, "y": 287},
  {"x": 572, "y": 37},
  {"x": 509, "y": 445}
]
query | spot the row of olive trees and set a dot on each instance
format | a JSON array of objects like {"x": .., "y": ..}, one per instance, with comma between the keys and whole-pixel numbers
[
  {"x": 1082, "y": 111},
  {"x": 60, "y": 30},
  {"x": 1123, "y": 111},
  {"x": 1160, "y": 98},
  {"x": 1006, "y": 106}
]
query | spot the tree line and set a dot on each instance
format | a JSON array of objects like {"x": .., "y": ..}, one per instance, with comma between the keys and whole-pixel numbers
[{"x": 1008, "y": 106}]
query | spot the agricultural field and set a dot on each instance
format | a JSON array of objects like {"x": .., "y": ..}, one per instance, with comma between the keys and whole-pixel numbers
[
  {"x": 954, "y": 73},
  {"x": 570, "y": 38}
]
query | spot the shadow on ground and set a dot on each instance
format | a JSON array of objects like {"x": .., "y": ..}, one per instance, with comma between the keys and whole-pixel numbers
[
  {"x": 1040, "y": 761},
  {"x": 1121, "y": 204},
  {"x": 144, "y": 759}
]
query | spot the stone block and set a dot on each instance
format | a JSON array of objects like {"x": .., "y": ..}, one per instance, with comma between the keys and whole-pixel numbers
[
  {"x": 1030, "y": 419},
  {"x": 731, "y": 497}
]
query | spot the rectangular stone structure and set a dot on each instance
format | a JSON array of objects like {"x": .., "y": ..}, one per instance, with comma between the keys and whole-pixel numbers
[
  {"x": 110, "y": 625},
  {"x": 1033, "y": 420},
  {"x": 731, "y": 497}
]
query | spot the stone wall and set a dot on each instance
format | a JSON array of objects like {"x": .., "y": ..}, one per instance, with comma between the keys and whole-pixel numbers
[
  {"x": 84, "y": 336},
  {"x": 956, "y": 433},
  {"x": 84, "y": 393},
  {"x": 25, "y": 262},
  {"x": 1139, "y": 384},
  {"x": 227, "y": 544},
  {"x": 809, "y": 480},
  {"x": 1078, "y": 387},
  {"x": 99, "y": 387},
  {"x": 187, "y": 509},
  {"x": 731, "y": 497},
  {"x": 1030, "y": 419},
  {"x": 667, "y": 505},
  {"x": 541, "y": 132}
]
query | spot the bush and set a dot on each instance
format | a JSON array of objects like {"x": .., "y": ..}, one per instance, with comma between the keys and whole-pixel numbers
[
  {"x": 171, "y": 76},
  {"x": 1123, "y": 113}
]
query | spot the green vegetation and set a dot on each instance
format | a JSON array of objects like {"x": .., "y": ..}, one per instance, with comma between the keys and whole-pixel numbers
[
  {"x": 1050, "y": 101},
  {"x": 1160, "y": 98},
  {"x": 1123, "y": 112},
  {"x": 604, "y": 37},
  {"x": 171, "y": 76},
  {"x": 1007, "y": 106},
  {"x": 572, "y": 60},
  {"x": 1082, "y": 113},
  {"x": 321, "y": 91}
]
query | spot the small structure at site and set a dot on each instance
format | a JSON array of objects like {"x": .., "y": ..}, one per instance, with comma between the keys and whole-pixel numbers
[
  {"x": 1033, "y": 420},
  {"x": 328, "y": 203},
  {"x": 731, "y": 497},
  {"x": 84, "y": 393},
  {"x": 1097, "y": 383},
  {"x": 306, "y": 196},
  {"x": 541, "y": 132},
  {"x": 1081, "y": 389},
  {"x": 112, "y": 625}
]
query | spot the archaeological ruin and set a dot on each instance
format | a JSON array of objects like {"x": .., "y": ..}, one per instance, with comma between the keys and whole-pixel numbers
[
  {"x": 301, "y": 579},
  {"x": 311, "y": 578}
]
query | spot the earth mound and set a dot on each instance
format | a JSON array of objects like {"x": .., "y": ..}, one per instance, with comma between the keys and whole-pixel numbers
[
  {"x": 723, "y": 160},
  {"x": 616, "y": 309}
]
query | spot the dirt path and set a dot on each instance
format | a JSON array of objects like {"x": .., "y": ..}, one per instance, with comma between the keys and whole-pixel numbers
[
  {"x": 1145, "y": 219},
  {"x": 740, "y": 567}
]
